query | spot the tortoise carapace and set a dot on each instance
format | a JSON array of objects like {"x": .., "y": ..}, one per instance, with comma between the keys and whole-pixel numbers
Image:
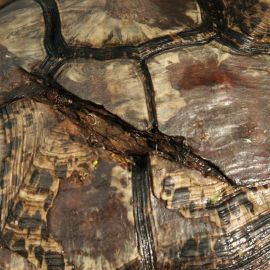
[{"x": 134, "y": 134}]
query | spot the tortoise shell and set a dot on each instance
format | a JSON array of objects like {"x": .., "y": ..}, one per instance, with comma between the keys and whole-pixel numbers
[{"x": 148, "y": 119}]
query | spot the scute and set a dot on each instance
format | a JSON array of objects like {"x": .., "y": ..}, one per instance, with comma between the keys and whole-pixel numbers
[
  {"x": 101, "y": 230},
  {"x": 218, "y": 102},
  {"x": 22, "y": 32},
  {"x": 214, "y": 221},
  {"x": 124, "y": 22},
  {"x": 116, "y": 84}
]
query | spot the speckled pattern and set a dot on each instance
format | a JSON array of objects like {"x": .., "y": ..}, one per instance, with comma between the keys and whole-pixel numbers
[
  {"x": 38, "y": 153},
  {"x": 251, "y": 17},
  {"x": 210, "y": 218}
]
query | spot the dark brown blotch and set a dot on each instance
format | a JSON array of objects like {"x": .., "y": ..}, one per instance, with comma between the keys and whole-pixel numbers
[
  {"x": 124, "y": 182},
  {"x": 198, "y": 74},
  {"x": 30, "y": 222},
  {"x": 264, "y": 6},
  {"x": 19, "y": 247},
  {"x": 6, "y": 168},
  {"x": 61, "y": 171},
  {"x": 39, "y": 254},
  {"x": 219, "y": 249},
  {"x": 42, "y": 179},
  {"x": 54, "y": 261},
  {"x": 168, "y": 185},
  {"x": 254, "y": 21},
  {"x": 10, "y": 207},
  {"x": 1, "y": 186},
  {"x": 15, "y": 180},
  {"x": 18, "y": 209},
  {"x": 248, "y": 204},
  {"x": 6, "y": 238},
  {"x": 190, "y": 248},
  {"x": 204, "y": 248},
  {"x": 44, "y": 231},
  {"x": 8, "y": 125},
  {"x": 15, "y": 143},
  {"x": 181, "y": 195},
  {"x": 224, "y": 214},
  {"x": 253, "y": 189},
  {"x": 48, "y": 202},
  {"x": 192, "y": 206},
  {"x": 28, "y": 120}
]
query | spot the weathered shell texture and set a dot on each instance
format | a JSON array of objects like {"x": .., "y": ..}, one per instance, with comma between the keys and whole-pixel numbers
[{"x": 134, "y": 134}]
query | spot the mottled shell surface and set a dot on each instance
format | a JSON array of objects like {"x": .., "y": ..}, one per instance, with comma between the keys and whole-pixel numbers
[{"x": 135, "y": 135}]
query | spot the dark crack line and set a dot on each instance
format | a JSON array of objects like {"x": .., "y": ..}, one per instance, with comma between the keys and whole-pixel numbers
[
  {"x": 56, "y": 45},
  {"x": 142, "y": 206},
  {"x": 213, "y": 19},
  {"x": 242, "y": 43},
  {"x": 215, "y": 16},
  {"x": 173, "y": 148},
  {"x": 239, "y": 42},
  {"x": 49, "y": 68},
  {"x": 54, "y": 42},
  {"x": 150, "y": 95}
]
